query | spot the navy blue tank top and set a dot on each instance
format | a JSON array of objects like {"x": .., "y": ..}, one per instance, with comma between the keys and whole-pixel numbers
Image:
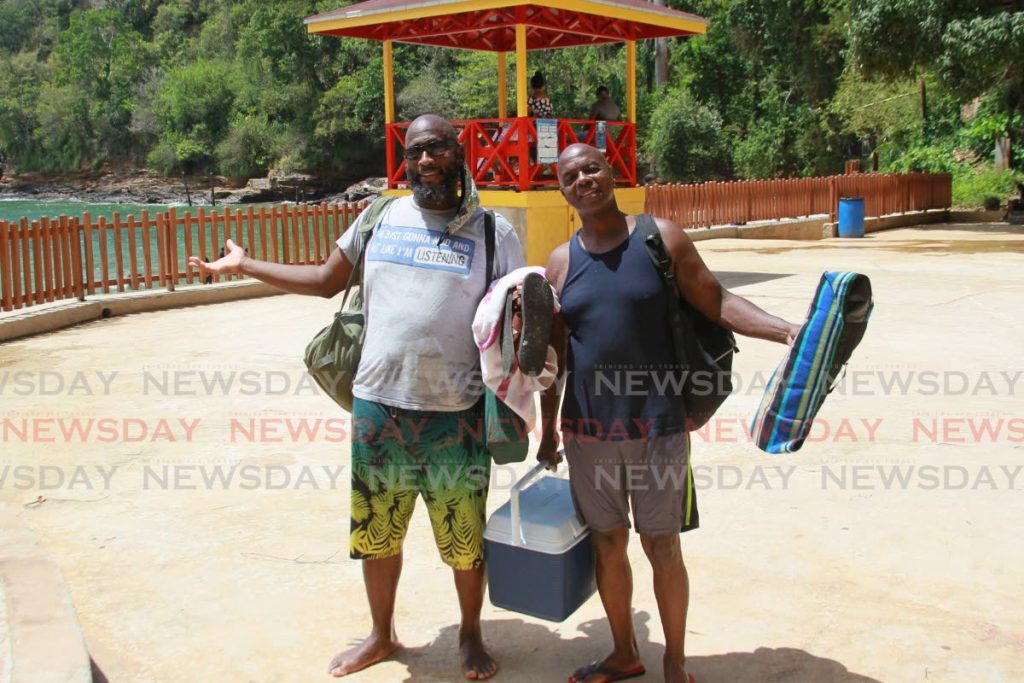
[{"x": 623, "y": 380}]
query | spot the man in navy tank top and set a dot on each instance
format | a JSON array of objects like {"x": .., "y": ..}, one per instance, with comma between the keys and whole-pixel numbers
[{"x": 622, "y": 426}]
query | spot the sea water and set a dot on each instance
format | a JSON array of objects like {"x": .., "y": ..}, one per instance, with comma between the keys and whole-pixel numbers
[{"x": 16, "y": 209}]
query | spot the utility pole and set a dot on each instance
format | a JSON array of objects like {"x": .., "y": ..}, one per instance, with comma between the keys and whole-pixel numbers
[{"x": 660, "y": 56}]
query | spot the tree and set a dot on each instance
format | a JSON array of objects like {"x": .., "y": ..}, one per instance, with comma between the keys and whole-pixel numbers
[
  {"x": 194, "y": 110},
  {"x": 879, "y": 111},
  {"x": 100, "y": 53},
  {"x": 769, "y": 68},
  {"x": 660, "y": 57},
  {"x": 102, "y": 57},
  {"x": 798, "y": 43},
  {"x": 975, "y": 47},
  {"x": 20, "y": 77},
  {"x": 16, "y": 22}
]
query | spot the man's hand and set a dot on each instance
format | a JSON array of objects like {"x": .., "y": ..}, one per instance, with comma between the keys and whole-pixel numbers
[
  {"x": 794, "y": 330},
  {"x": 549, "y": 453},
  {"x": 517, "y": 314},
  {"x": 229, "y": 264}
]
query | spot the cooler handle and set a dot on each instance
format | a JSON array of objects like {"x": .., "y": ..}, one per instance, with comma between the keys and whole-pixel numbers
[{"x": 517, "y": 534}]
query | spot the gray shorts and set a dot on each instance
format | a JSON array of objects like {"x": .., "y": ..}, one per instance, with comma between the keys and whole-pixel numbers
[{"x": 650, "y": 477}]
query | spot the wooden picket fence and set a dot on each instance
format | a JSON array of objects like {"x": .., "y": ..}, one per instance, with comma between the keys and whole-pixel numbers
[
  {"x": 706, "y": 204},
  {"x": 52, "y": 259}
]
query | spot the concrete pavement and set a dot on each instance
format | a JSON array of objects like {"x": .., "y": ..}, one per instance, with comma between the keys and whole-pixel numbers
[{"x": 886, "y": 550}]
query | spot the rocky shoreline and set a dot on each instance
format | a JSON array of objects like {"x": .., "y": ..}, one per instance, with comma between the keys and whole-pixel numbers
[{"x": 141, "y": 187}]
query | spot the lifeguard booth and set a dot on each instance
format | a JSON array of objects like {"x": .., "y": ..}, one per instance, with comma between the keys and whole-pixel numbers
[{"x": 512, "y": 158}]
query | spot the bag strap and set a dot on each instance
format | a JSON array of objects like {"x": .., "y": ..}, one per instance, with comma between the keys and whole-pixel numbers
[
  {"x": 662, "y": 261},
  {"x": 505, "y": 338},
  {"x": 489, "y": 244},
  {"x": 366, "y": 228}
]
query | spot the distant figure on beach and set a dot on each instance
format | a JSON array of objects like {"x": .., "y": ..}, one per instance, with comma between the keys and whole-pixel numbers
[
  {"x": 424, "y": 274},
  {"x": 538, "y": 102},
  {"x": 604, "y": 108}
]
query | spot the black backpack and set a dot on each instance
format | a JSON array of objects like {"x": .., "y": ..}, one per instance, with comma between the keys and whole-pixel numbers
[{"x": 703, "y": 349}]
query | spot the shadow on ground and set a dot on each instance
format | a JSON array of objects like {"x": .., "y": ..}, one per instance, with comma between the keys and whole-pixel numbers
[
  {"x": 781, "y": 665},
  {"x": 533, "y": 652},
  {"x": 741, "y": 279},
  {"x": 97, "y": 674}
]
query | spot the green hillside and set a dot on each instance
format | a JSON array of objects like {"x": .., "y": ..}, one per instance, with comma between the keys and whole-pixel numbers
[{"x": 776, "y": 88}]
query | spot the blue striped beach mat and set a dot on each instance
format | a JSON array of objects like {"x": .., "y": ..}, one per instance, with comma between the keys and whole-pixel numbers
[{"x": 835, "y": 324}]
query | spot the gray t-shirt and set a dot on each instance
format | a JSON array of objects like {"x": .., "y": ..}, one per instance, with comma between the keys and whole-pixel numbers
[{"x": 421, "y": 297}]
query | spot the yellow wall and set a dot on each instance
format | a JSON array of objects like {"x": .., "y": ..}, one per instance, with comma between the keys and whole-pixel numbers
[
  {"x": 543, "y": 219},
  {"x": 631, "y": 199}
]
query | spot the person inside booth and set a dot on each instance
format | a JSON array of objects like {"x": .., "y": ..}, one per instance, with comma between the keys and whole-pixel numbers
[
  {"x": 604, "y": 107},
  {"x": 538, "y": 103}
]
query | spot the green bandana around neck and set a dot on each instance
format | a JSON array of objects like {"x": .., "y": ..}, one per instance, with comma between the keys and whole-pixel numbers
[{"x": 467, "y": 206}]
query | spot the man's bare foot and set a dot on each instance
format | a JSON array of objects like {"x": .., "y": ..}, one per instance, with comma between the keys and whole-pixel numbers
[
  {"x": 369, "y": 652},
  {"x": 675, "y": 673},
  {"x": 477, "y": 662}
]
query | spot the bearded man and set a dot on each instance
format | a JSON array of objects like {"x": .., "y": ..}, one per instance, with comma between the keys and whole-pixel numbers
[{"x": 417, "y": 389}]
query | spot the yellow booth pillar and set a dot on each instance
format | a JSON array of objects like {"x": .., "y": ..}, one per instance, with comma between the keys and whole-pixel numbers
[{"x": 543, "y": 219}]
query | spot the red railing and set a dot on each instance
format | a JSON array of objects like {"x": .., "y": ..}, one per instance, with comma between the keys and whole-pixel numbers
[
  {"x": 706, "y": 204},
  {"x": 52, "y": 259},
  {"x": 500, "y": 153}
]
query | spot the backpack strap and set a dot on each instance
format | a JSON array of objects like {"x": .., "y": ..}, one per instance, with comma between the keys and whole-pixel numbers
[
  {"x": 489, "y": 244},
  {"x": 662, "y": 261},
  {"x": 505, "y": 338},
  {"x": 366, "y": 227}
]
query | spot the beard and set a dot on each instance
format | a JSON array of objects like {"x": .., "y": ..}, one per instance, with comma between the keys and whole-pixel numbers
[{"x": 447, "y": 188}]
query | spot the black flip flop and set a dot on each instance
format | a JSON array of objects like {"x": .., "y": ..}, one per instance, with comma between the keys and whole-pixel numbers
[
  {"x": 538, "y": 304},
  {"x": 599, "y": 669}
]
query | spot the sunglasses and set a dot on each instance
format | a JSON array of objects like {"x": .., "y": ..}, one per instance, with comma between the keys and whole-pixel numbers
[{"x": 435, "y": 149}]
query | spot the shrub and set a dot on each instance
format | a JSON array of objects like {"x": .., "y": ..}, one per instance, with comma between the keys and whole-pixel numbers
[
  {"x": 685, "y": 140},
  {"x": 926, "y": 158},
  {"x": 974, "y": 187},
  {"x": 761, "y": 153},
  {"x": 179, "y": 154},
  {"x": 247, "y": 150}
]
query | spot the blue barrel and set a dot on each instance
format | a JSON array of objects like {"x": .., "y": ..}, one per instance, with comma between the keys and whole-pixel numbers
[{"x": 851, "y": 217}]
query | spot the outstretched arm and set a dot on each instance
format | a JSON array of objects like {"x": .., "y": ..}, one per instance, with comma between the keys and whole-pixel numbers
[
  {"x": 699, "y": 286},
  {"x": 324, "y": 280}
]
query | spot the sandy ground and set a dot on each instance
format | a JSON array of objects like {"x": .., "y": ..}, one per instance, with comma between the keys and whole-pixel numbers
[{"x": 821, "y": 566}]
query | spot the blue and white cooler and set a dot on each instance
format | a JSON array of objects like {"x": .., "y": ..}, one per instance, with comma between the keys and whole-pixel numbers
[{"x": 539, "y": 558}]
